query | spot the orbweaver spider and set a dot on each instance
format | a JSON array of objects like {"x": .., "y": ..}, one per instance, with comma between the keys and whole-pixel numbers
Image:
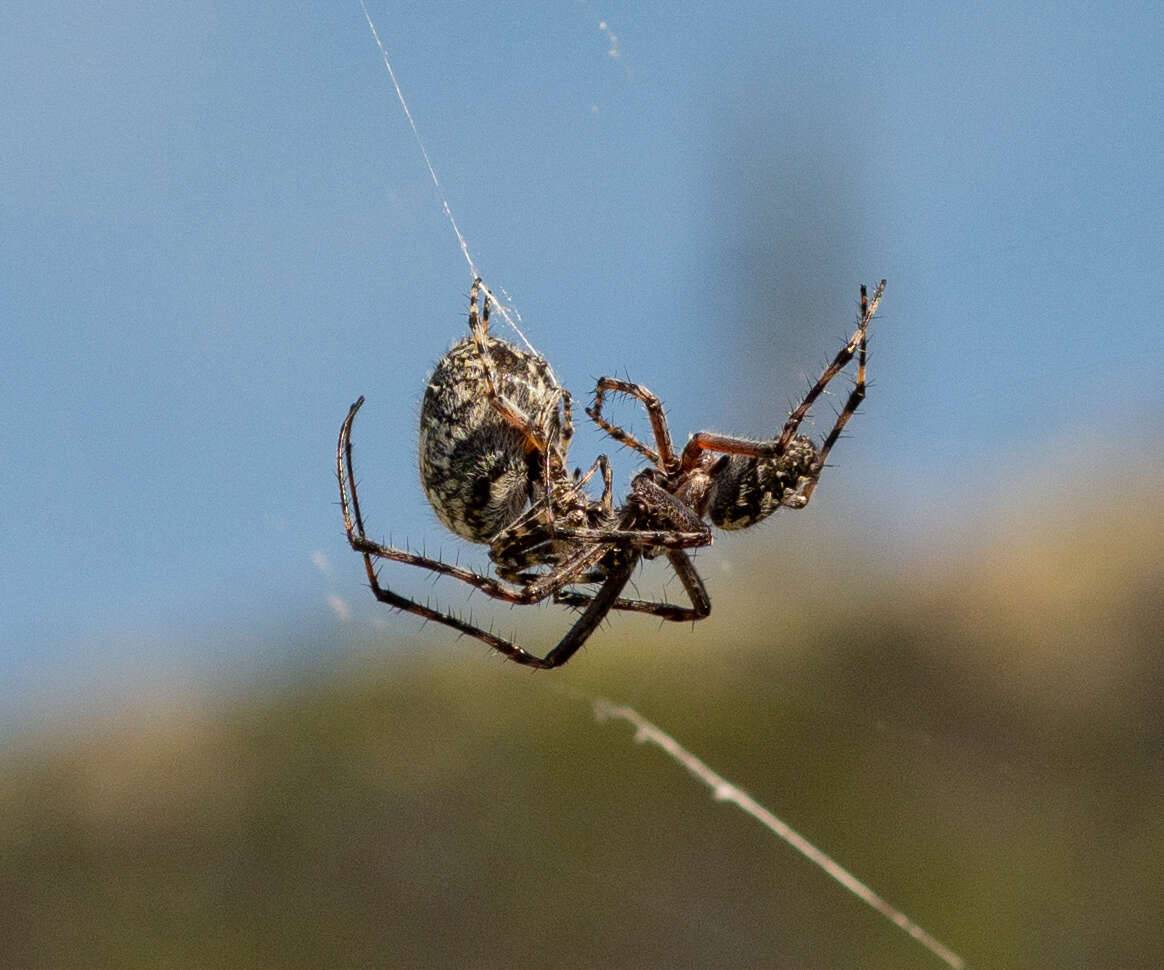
[{"x": 495, "y": 429}]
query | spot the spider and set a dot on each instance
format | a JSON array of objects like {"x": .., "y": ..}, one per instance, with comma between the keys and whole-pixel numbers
[
  {"x": 495, "y": 429},
  {"x": 733, "y": 482}
]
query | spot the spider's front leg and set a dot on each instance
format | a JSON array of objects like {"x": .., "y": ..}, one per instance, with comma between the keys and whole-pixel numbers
[
  {"x": 856, "y": 396},
  {"x": 774, "y": 448},
  {"x": 856, "y": 345},
  {"x": 664, "y": 458},
  {"x": 757, "y": 477}
]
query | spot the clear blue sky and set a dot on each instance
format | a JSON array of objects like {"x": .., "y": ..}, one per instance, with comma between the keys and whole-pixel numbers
[{"x": 216, "y": 231}]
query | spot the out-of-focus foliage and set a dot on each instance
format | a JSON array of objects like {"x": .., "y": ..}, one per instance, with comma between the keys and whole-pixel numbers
[{"x": 980, "y": 741}]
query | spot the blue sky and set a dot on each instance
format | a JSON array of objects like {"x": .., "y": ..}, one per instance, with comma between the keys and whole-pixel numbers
[{"x": 217, "y": 230}]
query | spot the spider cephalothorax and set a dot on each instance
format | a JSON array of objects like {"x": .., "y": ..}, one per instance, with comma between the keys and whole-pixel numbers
[{"x": 495, "y": 431}]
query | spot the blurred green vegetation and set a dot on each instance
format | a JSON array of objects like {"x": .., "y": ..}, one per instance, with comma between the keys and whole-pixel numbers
[{"x": 979, "y": 739}]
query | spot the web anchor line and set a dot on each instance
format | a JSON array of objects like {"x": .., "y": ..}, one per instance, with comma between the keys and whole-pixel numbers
[
  {"x": 725, "y": 791},
  {"x": 499, "y": 305}
]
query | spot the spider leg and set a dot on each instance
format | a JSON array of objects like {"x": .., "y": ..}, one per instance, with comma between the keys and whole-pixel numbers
[
  {"x": 600, "y": 605},
  {"x": 692, "y": 584},
  {"x": 554, "y": 471},
  {"x": 640, "y": 538},
  {"x": 353, "y": 520},
  {"x": 577, "y": 635},
  {"x": 531, "y": 545},
  {"x": 566, "y": 434},
  {"x": 723, "y": 444},
  {"x": 601, "y": 463},
  {"x": 774, "y": 448},
  {"x": 664, "y": 458},
  {"x": 525, "y": 595},
  {"x": 580, "y": 565},
  {"x": 573, "y": 498},
  {"x": 652, "y": 505},
  {"x": 650, "y": 502},
  {"x": 358, "y": 540},
  {"x": 554, "y": 459},
  {"x": 856, "y": 344},
  {"x": 856, "y": 396},
  {"x": 536, "y": 539},
  {"x": 354, "y": 526}
]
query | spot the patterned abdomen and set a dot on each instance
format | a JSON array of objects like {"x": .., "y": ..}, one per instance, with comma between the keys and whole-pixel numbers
[
  {"x": 478, "y": 470},
  {"x": 747, "y": 490}
]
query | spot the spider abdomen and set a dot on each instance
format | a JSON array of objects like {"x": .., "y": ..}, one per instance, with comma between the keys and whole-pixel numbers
[
  {"x": 746, "y": 490},
  {"x": 477, "y": 469}
]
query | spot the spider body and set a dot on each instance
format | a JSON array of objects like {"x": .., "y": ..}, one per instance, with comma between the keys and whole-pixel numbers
[
  {"x": 734, "y": 491},
  {"x": 746, "y": 490},
  {"x": 479, "y": 469},
  {"x": 495, "y": 431}
]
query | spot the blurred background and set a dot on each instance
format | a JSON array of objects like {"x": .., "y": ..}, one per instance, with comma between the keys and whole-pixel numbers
[{"x": 217, "y": 231}]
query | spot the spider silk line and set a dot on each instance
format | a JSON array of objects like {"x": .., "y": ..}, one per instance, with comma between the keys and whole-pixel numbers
[
  {"x": 724, "y": 791},
  {"x": 499, "y": 305}
]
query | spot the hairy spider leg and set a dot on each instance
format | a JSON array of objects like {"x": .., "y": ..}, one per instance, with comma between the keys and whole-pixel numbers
[
  {"x": 354, "y": 526},
  {"x": 553, "y": 458},
  {"x": 649, "y": 502},
  {"x": 529, "y": 541},
  {"x": 856, "y": 396},
  {"x": 566, "y": 432},
  {"x": 704, "y": 441},
  {"x": 692, "y": 585},
  {"x": 725, "y": 444},
  {"x": 856, "y": 343},
  {"x": 616, "y": 576},
  {"x": 664, "y": 458},
  {"x": 601, "y": 463},
  {"x": 701, "y": 441}
]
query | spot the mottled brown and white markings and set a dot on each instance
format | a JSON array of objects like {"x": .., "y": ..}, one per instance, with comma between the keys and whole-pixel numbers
[{"x": 491, "y": 414}]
